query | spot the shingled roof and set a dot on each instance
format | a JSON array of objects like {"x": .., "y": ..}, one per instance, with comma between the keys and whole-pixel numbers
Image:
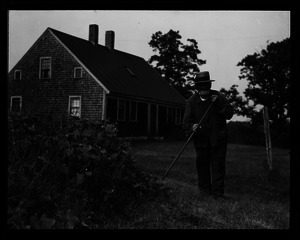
[{"x": 119, "y": 72}]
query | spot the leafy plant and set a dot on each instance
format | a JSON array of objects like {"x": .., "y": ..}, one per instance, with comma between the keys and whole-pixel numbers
[{"x": 59, "y": 169}]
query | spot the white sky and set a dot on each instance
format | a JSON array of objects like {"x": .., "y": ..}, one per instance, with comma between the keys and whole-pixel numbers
[{"x": 224, "y": 37}]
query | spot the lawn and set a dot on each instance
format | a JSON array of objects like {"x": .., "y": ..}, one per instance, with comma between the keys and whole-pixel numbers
[
  {"x": 59, "y": 177},
  {"x": 254, "y": 201}
]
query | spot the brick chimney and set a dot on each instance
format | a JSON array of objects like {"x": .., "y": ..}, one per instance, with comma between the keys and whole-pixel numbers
[
  {"x": 110, "y": 39},
  {"x": 93, "y": 33}
]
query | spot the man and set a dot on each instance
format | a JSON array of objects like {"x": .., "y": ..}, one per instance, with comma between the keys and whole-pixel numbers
[{"x": 210, "y": 139}]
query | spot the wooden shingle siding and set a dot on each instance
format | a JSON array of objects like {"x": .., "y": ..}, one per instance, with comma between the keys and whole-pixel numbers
[
  {"x": 114, "y": 86},
  {"x": 52, "y": 95}
]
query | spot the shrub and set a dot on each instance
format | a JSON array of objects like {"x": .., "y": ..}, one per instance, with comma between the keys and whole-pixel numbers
[{"x": 59, "y": 168}]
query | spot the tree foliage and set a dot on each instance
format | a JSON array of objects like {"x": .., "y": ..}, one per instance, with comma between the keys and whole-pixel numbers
[
  {"x": 269, "y": 83},
  {"x": 240, "y": 105},
  {"x": 175, "y": 61}
]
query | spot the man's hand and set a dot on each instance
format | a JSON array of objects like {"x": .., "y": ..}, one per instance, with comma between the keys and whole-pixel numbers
[
  {"x": 195, "y": 126},
  {"x": 213, "y": 98}
]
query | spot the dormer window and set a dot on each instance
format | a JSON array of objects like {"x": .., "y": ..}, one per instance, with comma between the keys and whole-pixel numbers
[
  {"x": 78, "y": 72},
  {"x": 17, "y": 75},
  {"x": 129, "y": 71},
  {"x": 45, "y": 67}
]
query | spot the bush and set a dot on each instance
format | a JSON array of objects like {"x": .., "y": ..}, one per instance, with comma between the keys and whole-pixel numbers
[{"x": 60, "y": 168}]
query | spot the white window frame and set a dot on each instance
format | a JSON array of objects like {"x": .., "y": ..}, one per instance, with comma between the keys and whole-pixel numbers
[
  {"x": 40, "y": 71},
  {"x": 15, "y": 74},
  {"x": 121, "y": 118},
  {"x": 130, "y": 109},
  {"x": 69, "y": 105},
  {"x": 75, "y": 72},
  {"x": 11, "y": 100}
]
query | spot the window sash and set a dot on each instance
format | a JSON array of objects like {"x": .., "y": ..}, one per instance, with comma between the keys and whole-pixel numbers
[
  {"x": 17, "y": 75},
  {"x": 133, "y": 111},
  {"x": 75, "y": 106},
  {"x": 16, "y": 100},
  {"x": 121, "y": 110},
  {"x": 45, "y": 67},
  {"x": 170, "y": 115},
  {"x": 178, "y": 116},
  {"x": 78, "y": 72}
]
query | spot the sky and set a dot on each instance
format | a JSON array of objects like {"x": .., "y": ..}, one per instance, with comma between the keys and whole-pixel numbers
[{"x": 224, "y": 37}]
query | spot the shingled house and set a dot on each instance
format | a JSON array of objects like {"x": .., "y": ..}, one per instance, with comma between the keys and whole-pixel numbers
[{"x": 64, "y": 74}]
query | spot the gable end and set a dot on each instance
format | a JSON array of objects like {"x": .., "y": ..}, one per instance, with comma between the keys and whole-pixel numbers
[{"x": 83, "y": 66}]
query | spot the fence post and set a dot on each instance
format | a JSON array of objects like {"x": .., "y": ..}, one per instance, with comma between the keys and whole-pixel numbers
[{"x": 267, "y": 138}]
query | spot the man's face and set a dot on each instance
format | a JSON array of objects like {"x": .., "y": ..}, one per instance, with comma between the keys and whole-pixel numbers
[{"x": 203, "y": 88}]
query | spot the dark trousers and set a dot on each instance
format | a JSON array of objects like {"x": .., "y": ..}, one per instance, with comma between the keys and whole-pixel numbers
[{"x": 210, "y": 163}]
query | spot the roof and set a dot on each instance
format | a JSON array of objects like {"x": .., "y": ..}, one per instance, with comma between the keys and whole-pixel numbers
[{"x": 120, "y": 72}]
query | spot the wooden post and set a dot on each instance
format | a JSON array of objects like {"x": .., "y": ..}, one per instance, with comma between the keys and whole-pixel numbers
[{"x": 267, "y": 138}]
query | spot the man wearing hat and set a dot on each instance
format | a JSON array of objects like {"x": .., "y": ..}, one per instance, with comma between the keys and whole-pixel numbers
[{"x": 210, "y": 139}]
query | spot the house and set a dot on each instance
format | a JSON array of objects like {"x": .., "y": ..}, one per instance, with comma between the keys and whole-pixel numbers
[{"x": 64, "y": 74}]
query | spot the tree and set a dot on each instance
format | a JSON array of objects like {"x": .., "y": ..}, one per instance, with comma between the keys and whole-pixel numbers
[
  {"x": 240, "y": 105},
  {"x": 175, "y": 61},
  {"x": 269, "y": 84}
]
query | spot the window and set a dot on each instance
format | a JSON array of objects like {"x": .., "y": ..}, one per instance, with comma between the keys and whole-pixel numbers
[
  {"x": 16, "y": 104},
  {"x": 121, "y": 110},
  {"x": 178, "y": 116},
  {"x": 133, "y": 112},
  {"x": 78, "y": 72},
  {"x": 129, "y": 71},
  {"x": 45, "y": 67},
  {"x": 171, "y": 115},
  {"x": 17, "y": 74},
  {"x": 75, "y": 106},
  {"x": 112, "y": 109}
]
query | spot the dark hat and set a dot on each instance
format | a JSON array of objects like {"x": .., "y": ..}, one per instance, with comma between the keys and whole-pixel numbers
[{"x": 202, "y": 77}]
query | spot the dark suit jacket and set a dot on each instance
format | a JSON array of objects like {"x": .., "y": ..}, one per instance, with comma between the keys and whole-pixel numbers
[{"x": 213, "y": 128}]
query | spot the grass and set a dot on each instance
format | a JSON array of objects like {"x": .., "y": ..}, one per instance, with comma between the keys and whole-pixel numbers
[{"x": 254, "y": 202}]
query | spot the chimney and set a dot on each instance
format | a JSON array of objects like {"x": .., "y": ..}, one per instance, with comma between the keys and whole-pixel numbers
[
  {"x": 110, "y": 39},
  {"x": 93, "y": 33}
]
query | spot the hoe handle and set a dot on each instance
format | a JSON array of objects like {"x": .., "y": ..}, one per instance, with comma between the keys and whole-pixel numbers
[
  {"x": 186, "y": 143},
  {"x": 178, "y": 155}
]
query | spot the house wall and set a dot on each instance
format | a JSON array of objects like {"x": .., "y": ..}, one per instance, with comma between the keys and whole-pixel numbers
[
  {"x": 153, "y": 119},
  {"x": 52, "y": 95}
]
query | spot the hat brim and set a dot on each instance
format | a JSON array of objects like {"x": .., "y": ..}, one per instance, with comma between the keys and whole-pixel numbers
[{"x": 208, "y": 81}]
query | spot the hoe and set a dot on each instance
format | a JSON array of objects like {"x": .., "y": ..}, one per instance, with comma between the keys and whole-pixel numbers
[{"x": 186, "y": 143}]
